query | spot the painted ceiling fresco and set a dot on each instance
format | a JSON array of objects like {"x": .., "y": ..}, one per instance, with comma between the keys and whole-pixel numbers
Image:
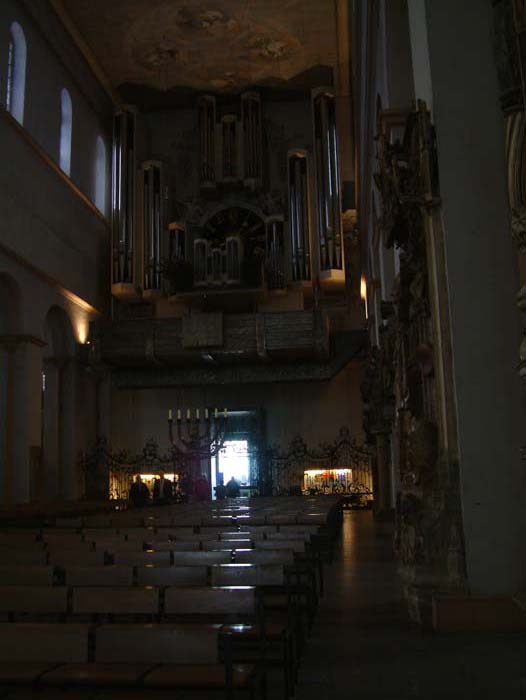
[{"x": 223, "y": 46}]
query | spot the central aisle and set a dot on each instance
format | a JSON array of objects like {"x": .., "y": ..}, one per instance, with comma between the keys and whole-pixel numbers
[{"x": 363, "y": 646}]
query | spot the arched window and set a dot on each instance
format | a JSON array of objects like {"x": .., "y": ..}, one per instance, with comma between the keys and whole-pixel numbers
[
  {"x": 16, "y": 72},
  {"x": 66, "y": 125},
  {"x": 100, "y": 174}
]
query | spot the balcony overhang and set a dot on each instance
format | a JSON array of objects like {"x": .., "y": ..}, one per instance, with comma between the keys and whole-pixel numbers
[{"x": 206, "y": 339}]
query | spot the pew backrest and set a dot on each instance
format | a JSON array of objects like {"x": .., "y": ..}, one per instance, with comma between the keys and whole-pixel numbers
[
  {"x": 201, "y": 558},
  {"x": 210, "y": 601},
  {"x": 172, "y": 575},
  {"x": 99, "y": 575},
  {"x": 247, "y": 575},
  {"x": 18, "y": 575},
  {"x": 141, "y": 558},
  {"x": 164, "y": 643},
  {"x": 105, "y": 600},
  {"x": 39, "y": 600},
  {"x": 22, "y": 642}
]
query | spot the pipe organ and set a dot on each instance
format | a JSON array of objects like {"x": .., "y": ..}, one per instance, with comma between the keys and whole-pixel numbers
[
  {"x": 207, "y": 139},
  {"x": 124, "y": 204},
  {"x": 252, "y": 139},
  {"x": 230, "y": 149},
  {"x": 327, "y": 181},
  {"x": 201, "y": 255},
  {"x": 177, "y": 242},
  {"x": 234, "y": 254},
  {"x": 275, "y": 253},
  {"x": 299, "y": 216},
  {"x": 153, "y": 226}
]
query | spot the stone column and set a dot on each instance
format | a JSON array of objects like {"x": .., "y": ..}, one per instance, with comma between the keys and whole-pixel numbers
[
  {"x": 68, "y": 481},
  {"x": 383, "y": 507},
  {"x": 51, "y": 451},
  {"x": 26, "y": 415},
  {"x": 481, "y": 269},
  {"x": 6, "y": 420}
]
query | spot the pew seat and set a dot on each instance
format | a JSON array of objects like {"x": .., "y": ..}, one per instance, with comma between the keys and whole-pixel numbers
[
  {"x": 99, "y": 575},
  {"x": 192, "y": 675},
  {"x": 172, "y": 575},
  {"x": 105, "y": 600},
  {"x": 96, "y": 674},
  {"x": 18, "y": 575},
  {"x": 34, "y": 601},
  {"x": 153, "y": 656},
  {"x": 201, "y": 558}
]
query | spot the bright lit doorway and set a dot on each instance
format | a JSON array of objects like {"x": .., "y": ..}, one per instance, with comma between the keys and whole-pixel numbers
[{"x": 233, "y": 461}]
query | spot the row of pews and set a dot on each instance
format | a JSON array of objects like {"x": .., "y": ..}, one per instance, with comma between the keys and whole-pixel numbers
[{"x": 192, "y": 600}]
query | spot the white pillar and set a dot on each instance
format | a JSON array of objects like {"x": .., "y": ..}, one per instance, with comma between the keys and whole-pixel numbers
[
  {"x": 483, "y": 278},
  {"x": 27, "y": 387},
  {"x": 69, "y": 483},
  {"x": 51, "y": 452}
]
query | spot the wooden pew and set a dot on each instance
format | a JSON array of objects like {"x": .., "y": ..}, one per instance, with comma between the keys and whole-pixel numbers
[
  {"x": 142, "y": 558},
  {"x": 28, "y": 650},
  {"x": 176, "y": 546},
  {"x": 172, "y": 575},
  {"x": 247, "y": 575},
  {"x": 112, "y": 603},
  {"x": 33, "y": 602},
  {"x": 201, "y": 558},
  {"x": 188, "y": 654},
  {"x": 99, "y": 575},
  {"x": 14, "y": 575}
]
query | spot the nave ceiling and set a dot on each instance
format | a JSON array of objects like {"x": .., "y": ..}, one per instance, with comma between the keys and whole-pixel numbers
[{"x": 180, "y": 46}]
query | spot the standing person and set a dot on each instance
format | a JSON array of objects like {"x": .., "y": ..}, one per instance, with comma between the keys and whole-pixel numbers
[
  {"x": 233, "y": 488},
  {"x": 186, "y": 486},
  {"x": 162, "y": 490},
  {"x": 139, "y": 494},
  {"x": 203, "y": 492}
]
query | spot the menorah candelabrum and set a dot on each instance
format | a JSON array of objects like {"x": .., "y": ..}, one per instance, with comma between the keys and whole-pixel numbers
[{"x": 199, "y": 436}]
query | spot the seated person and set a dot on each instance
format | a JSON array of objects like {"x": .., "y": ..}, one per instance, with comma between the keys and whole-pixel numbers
[
  {"x": 202, "y": 491},
  {"x": 139, "y": 494},
  {"x": 233, "y": 488},
  {"x": 220, "y": 490},
  {"x": 162, "y": 490}
]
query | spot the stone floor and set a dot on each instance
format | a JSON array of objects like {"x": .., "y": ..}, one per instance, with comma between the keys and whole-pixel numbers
[{"x": 364, "y": 647}]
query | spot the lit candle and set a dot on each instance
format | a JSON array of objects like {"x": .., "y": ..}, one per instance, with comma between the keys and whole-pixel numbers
[
  {"x": 188, "y": 414},
  {"x": 207, "y": 417},
  {"x": 170, "y": 414},
  {"x": 197, "y": 413},
  {"x": 178, "y": 414}
]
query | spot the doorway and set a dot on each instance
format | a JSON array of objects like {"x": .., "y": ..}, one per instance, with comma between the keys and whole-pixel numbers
[{"x": 233, "y": 461}]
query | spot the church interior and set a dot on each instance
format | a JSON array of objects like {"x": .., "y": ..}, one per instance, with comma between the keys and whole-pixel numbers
[{"x": 262, "y": 353}]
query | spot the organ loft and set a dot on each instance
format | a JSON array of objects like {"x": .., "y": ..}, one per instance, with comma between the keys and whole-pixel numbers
[{"x": 262, "y": 350}]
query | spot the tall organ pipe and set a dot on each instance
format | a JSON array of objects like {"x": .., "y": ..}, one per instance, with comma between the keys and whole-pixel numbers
[
  {"x": 152, "y": 225},
  {"x": 207, "y": 119},
  {"x": 123, "y": 197},
  {"x": 252, "y": 137},
  {"x": 299, "y": 215},
  {"x": 327, "y": 181}
]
